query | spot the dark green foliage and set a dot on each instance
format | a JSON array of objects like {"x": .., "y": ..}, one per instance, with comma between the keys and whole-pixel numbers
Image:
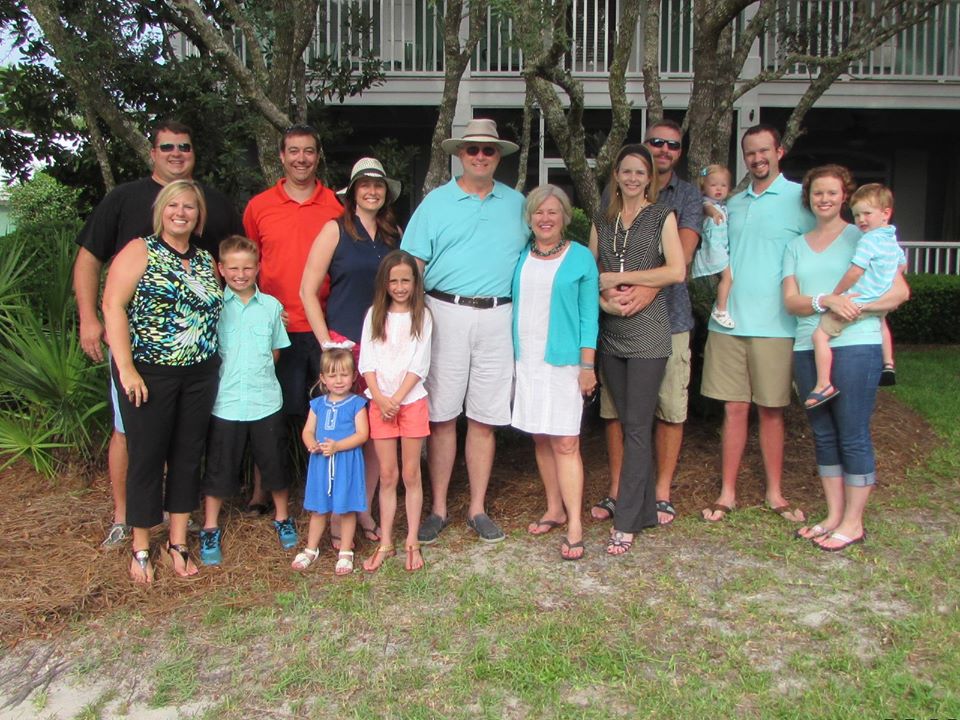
[
  {"x": 43, "y": 199},
  {"x": 930, "y": 317},
  {"x": 129, "y": 44},
  {"x": 53, "y": 408},
  {"x": 579, "y": 228}
]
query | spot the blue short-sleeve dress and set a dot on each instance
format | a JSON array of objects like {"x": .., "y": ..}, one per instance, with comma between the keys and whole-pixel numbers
[{"x": 336, "y": 484}]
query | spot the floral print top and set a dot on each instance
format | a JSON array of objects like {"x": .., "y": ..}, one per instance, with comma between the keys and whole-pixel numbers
[{"x": 174, "y": 310}]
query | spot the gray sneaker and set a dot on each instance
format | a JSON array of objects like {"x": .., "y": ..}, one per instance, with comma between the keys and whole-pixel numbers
[
  {"x": 486, "y": 528},
  {"x": 431, "y": 528},
  {"x": 117, "y": 535}
]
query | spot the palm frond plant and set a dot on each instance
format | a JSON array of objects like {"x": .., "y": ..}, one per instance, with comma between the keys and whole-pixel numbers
[{"x": 53, "y": 408}]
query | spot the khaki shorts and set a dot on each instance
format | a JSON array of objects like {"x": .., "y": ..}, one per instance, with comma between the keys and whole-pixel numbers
[
  {"x": 672, "y": 400},
  {"x": 748, "y": 369},
  {"x": 471, "y": 363},
  {"x": 832, "y": 324}
]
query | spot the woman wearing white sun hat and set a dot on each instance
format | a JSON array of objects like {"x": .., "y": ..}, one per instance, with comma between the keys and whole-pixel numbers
[{"x": 350, "y": 249}]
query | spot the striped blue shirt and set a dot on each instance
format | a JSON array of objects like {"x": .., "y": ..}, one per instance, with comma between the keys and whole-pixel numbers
[{"x": 879, "y": 254}]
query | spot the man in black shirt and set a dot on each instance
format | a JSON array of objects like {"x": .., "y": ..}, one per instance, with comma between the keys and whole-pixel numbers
[{"x": 124, "y": 214}]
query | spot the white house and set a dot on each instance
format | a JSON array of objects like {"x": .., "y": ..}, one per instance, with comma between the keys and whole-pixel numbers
[{"x": 894, "y": 117}]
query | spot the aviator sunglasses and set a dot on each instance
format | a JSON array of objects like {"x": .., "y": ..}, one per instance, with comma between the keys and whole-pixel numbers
[
  {"x": 168, "y": 147},
  {"x": 660, "y": 142},
  {"x": 487, "y": 150}
]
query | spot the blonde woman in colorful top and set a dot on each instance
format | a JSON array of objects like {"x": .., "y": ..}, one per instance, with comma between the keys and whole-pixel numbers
[{"x": 161, "y": 305}]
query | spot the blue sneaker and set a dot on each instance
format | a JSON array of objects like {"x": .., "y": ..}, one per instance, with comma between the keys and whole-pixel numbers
[
  {"x": 287, "y": 532},
  {"x": 210, "y": 546}
]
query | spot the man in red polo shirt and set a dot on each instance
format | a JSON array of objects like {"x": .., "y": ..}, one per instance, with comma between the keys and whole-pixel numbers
[{"x": 284, "y": 220}]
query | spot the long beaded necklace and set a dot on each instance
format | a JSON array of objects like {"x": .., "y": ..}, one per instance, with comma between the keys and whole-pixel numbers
[
  {"x": 626, "y": 239},
  {"x": 556, "y": 250},
  {"x": 621, "y": 254}
]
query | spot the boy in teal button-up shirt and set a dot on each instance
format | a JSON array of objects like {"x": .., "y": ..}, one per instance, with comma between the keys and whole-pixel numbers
[{"x": 249, "y": 401}]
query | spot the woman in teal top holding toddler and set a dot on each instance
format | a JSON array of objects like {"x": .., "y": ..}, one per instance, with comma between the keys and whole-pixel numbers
[{"x": 813, "y": 264}]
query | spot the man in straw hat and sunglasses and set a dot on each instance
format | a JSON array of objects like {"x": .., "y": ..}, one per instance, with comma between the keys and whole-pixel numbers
[{"x": 468, "y": 236}]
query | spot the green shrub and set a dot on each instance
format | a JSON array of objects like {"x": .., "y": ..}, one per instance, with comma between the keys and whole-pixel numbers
[
  {"x": 53, "y": 408},
  {"x": 579, "y": 227},
  {"x": 930, "y": 317},
  {"x": 49, "y": 249},
  {"x": 42, "y": 200}
]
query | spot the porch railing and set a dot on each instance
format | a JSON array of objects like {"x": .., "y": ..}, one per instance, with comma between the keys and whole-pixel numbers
[
  {"x": 928, "y": 50},
  {"x": 408, "y": 37},
  {"x": 935, "y": 258}
]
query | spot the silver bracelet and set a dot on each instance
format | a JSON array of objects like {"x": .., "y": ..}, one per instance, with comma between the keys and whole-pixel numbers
[
  {"x": 815, "y": 302},
  {"x": 587, "y": 366}
]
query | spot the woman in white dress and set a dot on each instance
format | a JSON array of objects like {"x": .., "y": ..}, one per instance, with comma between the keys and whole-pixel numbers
[{"x": 555, "y": 324}]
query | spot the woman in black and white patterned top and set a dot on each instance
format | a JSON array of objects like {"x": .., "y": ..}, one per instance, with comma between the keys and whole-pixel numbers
[{"x": 636, "y": 243}]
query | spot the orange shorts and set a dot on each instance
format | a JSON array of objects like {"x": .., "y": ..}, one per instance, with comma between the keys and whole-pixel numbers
[{"x": 413, "y": 421}]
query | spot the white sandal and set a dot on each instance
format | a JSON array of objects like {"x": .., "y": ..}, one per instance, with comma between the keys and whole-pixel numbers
[
  {"x": 305, "y": 559},
  {"x": 723, "y": 318},
  {"x": 344, "y": 564}
]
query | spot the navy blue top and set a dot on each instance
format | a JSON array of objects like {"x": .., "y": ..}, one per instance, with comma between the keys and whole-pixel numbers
[{"x": 353, "y": 269}]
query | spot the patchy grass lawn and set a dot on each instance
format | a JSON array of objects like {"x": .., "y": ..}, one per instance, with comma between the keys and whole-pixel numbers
[{"x": 736, "y": 619}]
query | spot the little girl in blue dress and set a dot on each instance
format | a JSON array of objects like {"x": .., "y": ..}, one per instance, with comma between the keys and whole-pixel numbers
[
  {"x": 713, "y": 256},
  {"x": 334, "y": 434}
]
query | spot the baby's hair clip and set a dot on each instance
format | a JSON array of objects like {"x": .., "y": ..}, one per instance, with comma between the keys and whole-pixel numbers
[
  {"x": 343, "y": 345},
  {"x": 705, "y": 171}
]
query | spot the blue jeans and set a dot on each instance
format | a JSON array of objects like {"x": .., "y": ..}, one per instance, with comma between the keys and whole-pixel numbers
[{"x": 841, "y": 427}]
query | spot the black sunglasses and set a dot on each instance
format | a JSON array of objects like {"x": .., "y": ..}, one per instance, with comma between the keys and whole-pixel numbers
[
  {"x": 487, "y": 150},
  {"x": 168, "y": 147},
  {"x": 660, "y": 142}
]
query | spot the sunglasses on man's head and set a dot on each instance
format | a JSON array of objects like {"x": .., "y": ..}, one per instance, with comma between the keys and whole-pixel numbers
[
  {"x": 487, "y": 150},
  {"x": 660, "y": 142},
  {"x": 168, "y": 147}
]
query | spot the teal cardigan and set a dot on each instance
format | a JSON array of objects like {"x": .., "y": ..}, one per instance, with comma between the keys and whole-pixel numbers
[{"x": 574, "y": 310}]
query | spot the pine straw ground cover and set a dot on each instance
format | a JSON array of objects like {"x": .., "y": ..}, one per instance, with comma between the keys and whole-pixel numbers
[{"x": 52, "y": 570}]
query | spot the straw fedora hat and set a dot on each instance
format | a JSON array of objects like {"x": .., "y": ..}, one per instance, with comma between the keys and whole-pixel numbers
[
  {"x": 479, "y": 131},
  {"x": 372, "y": 168}
]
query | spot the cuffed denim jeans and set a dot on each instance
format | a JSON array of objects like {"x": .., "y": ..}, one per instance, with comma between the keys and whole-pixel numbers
[{"x": 841, "y": 427}]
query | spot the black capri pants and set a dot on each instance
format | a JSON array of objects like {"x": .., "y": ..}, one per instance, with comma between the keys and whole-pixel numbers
[
  {"x": 168, "y": 431},
  {"x": 634, "y": 385}
]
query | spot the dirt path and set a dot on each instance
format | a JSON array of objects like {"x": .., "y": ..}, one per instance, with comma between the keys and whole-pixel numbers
[{"x": 67, "y": 611}]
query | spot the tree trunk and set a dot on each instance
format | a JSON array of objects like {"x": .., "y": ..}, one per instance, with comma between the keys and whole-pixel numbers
[
  {"x": 456, "y": 59},
  {"x": 99, "y": 149},
  {"x": 651, "y": 61},
  {"x": 438, "y": 171},
  {"x": 708, "y": 129},
  {"x": 524, "y": 159},
  {"x": 82, "y": 80}
]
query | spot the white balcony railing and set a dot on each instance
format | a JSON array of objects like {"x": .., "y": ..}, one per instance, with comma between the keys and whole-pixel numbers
[
  {"x": 407, "y": 38},
  {"x": 407, "y": 35},
  {"x": 935, "y": 258},
  {"x": 928, "y": 50}
]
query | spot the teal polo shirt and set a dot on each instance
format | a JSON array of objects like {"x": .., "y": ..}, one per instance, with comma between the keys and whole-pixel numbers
[
  {"x": 248, "y": 335},
  {"x": 470, "y": 246},
  {"x": 759, "y": 227},
  {"x": 819, "y": 273}
]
